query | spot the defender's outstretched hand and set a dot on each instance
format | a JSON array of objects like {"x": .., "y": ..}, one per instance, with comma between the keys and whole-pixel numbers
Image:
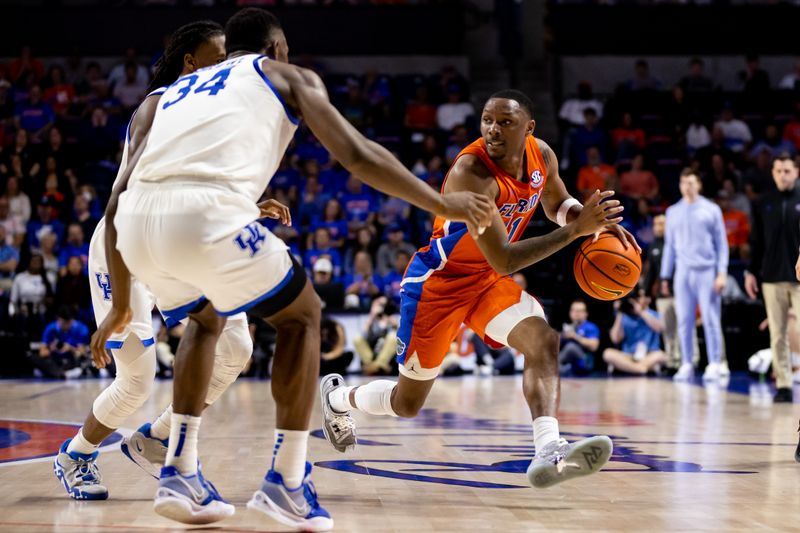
[{"x": 465, "y": 206}]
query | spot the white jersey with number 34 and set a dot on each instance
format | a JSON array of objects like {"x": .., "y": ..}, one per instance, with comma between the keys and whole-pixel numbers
[{"x": 226, "y": 125}]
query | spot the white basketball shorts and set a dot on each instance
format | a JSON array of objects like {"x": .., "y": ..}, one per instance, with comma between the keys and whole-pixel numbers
[{"x": 192, "y": 241}]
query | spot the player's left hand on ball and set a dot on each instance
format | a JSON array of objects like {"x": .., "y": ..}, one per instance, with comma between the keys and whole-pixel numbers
[
  {"x": 624, "y": 235},
  {"x": 115, "y": 322},
  {"x": 466, "y": 206},
  {"x": 275, "y": 209}
]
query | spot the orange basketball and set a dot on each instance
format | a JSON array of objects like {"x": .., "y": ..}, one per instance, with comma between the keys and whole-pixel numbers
[{"x": 605, "y": 269}]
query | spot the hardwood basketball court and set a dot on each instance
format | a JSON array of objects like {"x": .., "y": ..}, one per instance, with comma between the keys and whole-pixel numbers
[{"x": 686, "y": 458}]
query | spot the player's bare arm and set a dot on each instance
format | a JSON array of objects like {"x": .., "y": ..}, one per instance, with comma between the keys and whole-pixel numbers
[
  {"x": 305, "y": 91},
  {"x": 469, "y": 174},
  {"x": 120, "y": 313},
  {"x": 556, "y": 198}
]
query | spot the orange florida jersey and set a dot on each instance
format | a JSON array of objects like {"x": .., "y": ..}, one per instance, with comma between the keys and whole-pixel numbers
[{"x": 451, "y": 244}]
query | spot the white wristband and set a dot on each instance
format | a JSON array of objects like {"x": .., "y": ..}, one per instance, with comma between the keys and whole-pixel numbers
[{"x": 566, "y": 205}]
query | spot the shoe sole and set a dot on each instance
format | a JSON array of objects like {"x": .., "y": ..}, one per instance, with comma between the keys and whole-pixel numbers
[
  {"x": 75, "y": 494},
  {"x": 139, "y": 459},
  {"x": 180, "y": 509},
  {"x": 323, "y": 396},
  {"x": 261, "y": 503},
  {"x": 586, "y": 457}
]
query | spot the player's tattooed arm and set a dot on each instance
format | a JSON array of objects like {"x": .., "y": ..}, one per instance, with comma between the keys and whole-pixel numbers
[{"x": 469, "y": 174}]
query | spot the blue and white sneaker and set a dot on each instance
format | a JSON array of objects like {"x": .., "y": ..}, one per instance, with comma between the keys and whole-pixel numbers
[
  {"x": 79, "y": 474},
  {"x": 297, "y": 508},
  {"x": 148, "y": 452},
  {"x": 189, "y": 499}
]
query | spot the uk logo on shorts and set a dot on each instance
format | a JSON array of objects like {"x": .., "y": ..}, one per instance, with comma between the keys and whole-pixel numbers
[
  {"x": 104, "y": 282},
  {"x": 251, "y": 238}
]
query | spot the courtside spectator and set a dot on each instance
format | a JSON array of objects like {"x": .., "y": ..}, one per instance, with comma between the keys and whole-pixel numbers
[
  {"x": 334, "y": 358},
  {"x": 580, "y": 340},
  {"x": 377, "y": 346},
  {"x": 65, "y": 347},
  {"x": 636, "y": 331}
]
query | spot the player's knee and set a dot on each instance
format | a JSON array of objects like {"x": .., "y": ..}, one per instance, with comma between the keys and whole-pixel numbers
[
  {"x": 607, "y": 355},
  {"x": 407, "y": 407},
  {"x": 541, "y": 342}
]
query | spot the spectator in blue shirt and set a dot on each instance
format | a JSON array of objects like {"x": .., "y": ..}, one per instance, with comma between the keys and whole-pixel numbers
[
  {"x": 392, "y": 280},
  {"x": 363, "y": 285},
  {"x": 46, "y": 223},
  {"x": 333, "y": 219},
  {"x": 35, "y": 116},
  {"x": 9, "y": 258},
  {"x": 637, "y": 330},
  {"x": 64, "y": 351},
  {"x": 312, "y": 201},
  {"x": 322, "y": 247},
  {"x": 76, "y": 246},
  {"x": 358, "y": 203},
  {"x": 585, "y": 136},
  {"x": 580, "y": 340}
]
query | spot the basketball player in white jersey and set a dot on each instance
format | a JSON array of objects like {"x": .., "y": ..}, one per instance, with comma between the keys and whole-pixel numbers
[
  {"x": 192, "y": 46},
  {"x": 187, "y": 228}
]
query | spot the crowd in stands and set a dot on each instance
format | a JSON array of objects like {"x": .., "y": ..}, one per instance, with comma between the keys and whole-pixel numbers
[{"x": 62, "y": 128}]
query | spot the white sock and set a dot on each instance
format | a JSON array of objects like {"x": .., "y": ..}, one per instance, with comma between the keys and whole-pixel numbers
[
  {"x": 81, "y": 445},
  {"x": 375, "y": 398},
  {"x": 340, "y": 399},
  {"x": 289, "y": 456},
  {"x": 182, "y": 452},
  {"x": 160, "y": 428},
  {"x": 545, "y": 431}
]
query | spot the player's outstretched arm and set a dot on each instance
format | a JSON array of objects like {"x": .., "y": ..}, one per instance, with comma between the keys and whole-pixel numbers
[
  {"x": 560, "y": 207},
  {"x": 120, "y": 313},
  {"x": 364, "y": 158},
  {"x": 468, "y": 174}
]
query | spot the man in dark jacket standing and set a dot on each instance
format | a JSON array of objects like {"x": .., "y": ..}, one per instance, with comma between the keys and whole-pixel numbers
[{"x": 775, "y": 241}]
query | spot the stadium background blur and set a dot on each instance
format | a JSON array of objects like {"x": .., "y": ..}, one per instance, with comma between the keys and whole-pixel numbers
[{"x": 625, "y": 102}]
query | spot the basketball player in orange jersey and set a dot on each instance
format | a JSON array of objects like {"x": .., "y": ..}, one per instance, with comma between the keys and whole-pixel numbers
[{"x": 463, "y": 276}]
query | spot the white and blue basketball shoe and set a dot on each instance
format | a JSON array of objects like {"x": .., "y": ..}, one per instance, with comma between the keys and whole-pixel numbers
[
  {"x": 561, "y": 461},
  {"x": 189, "y": 499},
  {"x": 79, "y": 474},
  {"x": 148, "y": 452},
  {"x": 297, "y": 508}
]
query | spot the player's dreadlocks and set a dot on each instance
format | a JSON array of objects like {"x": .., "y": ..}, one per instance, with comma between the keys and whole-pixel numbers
[{"x": 184, "y": 41}]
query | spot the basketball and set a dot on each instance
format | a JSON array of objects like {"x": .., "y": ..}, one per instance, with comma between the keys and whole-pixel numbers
[{"x": 605, "y": 270}]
